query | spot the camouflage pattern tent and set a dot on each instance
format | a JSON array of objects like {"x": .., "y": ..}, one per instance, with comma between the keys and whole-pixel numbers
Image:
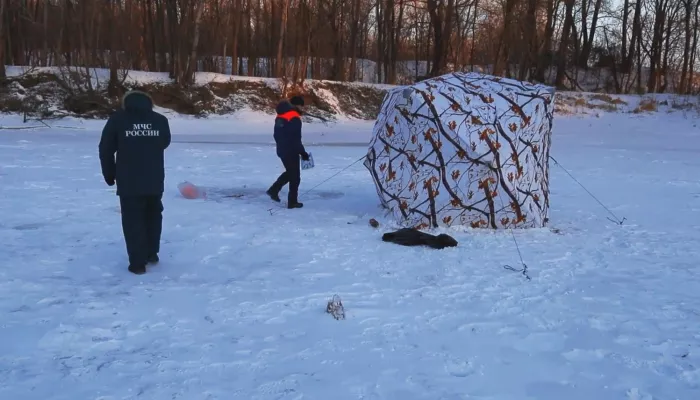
[{"x": 464, "y": 149}]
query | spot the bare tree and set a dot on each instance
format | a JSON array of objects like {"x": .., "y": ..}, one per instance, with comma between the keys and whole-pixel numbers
[
  {"x": 643, "y": 45},
  {"x": 3, "y": 4}
]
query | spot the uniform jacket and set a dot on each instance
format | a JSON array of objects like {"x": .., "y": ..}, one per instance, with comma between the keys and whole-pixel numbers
[
  {"x": 288, "y": 131},
  {"x": 138, "y": 136}
]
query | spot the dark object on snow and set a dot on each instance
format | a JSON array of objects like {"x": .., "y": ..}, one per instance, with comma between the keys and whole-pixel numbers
[
  {"x": 373, "y": 223},
  {"x": 335, "y": 307},
  {"x": 414, "y": 237},
  {"x": 138, "y": 136},
  {"x": 289, "y": 148}
]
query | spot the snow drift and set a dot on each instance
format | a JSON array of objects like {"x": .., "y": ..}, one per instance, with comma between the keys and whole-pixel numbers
[{"x": 464, "y": 149}]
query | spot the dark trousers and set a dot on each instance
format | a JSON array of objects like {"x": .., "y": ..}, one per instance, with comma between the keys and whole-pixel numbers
[
  {"x": 291, "y": 175},
  {"x": 142, "y": 223}
]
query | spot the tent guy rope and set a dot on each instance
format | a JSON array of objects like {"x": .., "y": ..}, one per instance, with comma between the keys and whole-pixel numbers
[
  {"x": 523, "y": 270},
  {"x": 273, "y": 210},
  {"x": 616, "y": 220}
]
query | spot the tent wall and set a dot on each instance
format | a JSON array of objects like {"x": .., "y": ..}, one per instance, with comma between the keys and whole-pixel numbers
[{"x": 464, "y": 149}]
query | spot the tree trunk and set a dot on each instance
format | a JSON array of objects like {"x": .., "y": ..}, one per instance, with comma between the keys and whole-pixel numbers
[
  {"x": 251, "y": 52},
  {"x": 336, "y": 24},
  {"x": 149, "y": 26},
  {"x": 45, "y": 53},
  {"x": 502, "y": 52},
  {"x": 441, "y": 20},
  {"x": 163, "y": 60},
  {"x": 656, "y": 46},
  {"x": 564, "y": 44},
  {"x": 112, "y": 86},
  {"x": 636, "y": 37},
  {"x": 473, "y": 47},
  {"x": 687, "y": 7},
  {"x": 354, "y": 24},
  {"x": 396, "y": 41},
  {"x": 224, "y": 61},
  {"x": 667, "y": 48},
  {"x": 589, "y": 36},
  {"x": 189, "y": 77},
  {"x": 238, "y": 21},
  {"x": 694, "y": 48},
  {"x": 173, "y": 39},
  {"x": 3, "y": 7},
  {"x": 528, "y": 61},
  {"x": 379, "y": 15},
  {"x": 387, "y": 51},
  {"x": 281, "y": 63},
  {"x": 623, "y": 49}
]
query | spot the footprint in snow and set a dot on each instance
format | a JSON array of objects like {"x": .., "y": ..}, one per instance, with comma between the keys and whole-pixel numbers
[{"x": 459, "y": 369}]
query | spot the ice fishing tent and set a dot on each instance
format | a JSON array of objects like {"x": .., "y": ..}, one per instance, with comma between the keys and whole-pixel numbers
[{"x": 464, "y": 149}]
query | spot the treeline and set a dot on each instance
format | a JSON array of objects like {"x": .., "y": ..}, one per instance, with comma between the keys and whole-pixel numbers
[{"x": 631, "y": 46}]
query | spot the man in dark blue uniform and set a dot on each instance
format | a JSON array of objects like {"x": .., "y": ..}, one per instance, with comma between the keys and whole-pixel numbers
[
  {"x": 289, "y": 150},
  {"x": 139, "y": 136}
]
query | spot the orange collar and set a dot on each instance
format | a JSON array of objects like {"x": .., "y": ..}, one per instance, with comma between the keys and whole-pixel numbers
[{"x": 289, "y": 115}]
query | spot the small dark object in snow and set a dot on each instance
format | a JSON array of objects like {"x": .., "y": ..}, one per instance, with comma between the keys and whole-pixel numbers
[
  {"x": 414, "y": 237},
  {"x": 335, "y": 308},
  {"x": 374, "y": 223}
]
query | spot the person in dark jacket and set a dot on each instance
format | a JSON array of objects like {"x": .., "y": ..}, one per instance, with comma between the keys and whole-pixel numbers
[
  {"x": 139, "y": 136},
  {"x": 289, "y": 150}
]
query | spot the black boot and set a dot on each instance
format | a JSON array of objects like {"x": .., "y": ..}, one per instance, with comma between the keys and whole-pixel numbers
[
  {"x": 153, "y": 259},
  {"x": 273, "y": 195},
  {"x": 295, "y": 205},
  {"x": 137, "y": 269}
]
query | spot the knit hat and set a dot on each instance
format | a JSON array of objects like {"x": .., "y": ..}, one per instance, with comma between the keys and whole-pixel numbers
[{"x": 297, "y": 101}]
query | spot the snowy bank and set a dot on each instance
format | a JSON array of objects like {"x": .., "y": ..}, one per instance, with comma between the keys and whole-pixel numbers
[
  {"x": 49, "y": 93},
  {"x": 58, "y": 92}
]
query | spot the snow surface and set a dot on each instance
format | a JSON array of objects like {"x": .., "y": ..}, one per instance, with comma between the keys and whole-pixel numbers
[
  {"x": 235, "y": 310},
  {"x": 243, "y": 127}
]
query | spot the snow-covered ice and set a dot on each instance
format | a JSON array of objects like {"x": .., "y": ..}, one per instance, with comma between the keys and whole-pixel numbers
[{"x": 236, "y": 308}]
